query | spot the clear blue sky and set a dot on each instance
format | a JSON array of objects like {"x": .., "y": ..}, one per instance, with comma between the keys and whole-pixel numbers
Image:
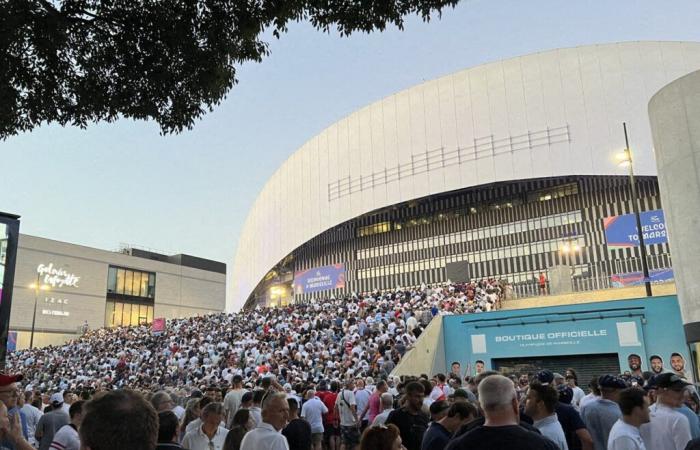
[{"x": 123, "y": 182}]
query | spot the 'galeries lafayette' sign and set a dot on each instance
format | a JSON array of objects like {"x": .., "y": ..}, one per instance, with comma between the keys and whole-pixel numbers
[{"x": 55, "y": 277}]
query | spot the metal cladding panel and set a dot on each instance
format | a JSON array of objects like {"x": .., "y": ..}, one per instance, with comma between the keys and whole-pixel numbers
[{"x": 552, "y": 113}]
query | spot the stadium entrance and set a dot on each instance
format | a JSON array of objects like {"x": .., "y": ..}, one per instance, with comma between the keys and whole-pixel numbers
[{"x": 586, "y": 366}]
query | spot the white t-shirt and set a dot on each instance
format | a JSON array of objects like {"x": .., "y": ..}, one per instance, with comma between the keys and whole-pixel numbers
[
  {"x": 232, "y": 402},
  {"x": 624, "y": 436},
  {"x": 313, "y": 411},
  {"x": 197, "y": 440},
  {"x": 578, "y": 396},
  {"x": 381, "y": 417},
  {"x": 66, "y": 439},
  {"x": 33, "y": 415},
  {"x": 362, "y": 398},
  {"x": 345, "y": 398},
  {"x": 668, "y": 429}
]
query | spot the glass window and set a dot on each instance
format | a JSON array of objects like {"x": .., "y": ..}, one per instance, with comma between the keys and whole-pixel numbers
[
  {"x": 120, "y": 281},
  {"x": 109, "y": 313},
  {"x": 112, "y": 280},
  {"x": 128, "y": 282},
  {"x": 149, "y": 315},
  {"x": 151, "y": 285},
  {"x": 126, "y": 315},
  {"x": 143, "y": 314},
  {"x": 137, "y": 283},
  {"x": 134, "y": 315},
  {"x": 117, "y": 318}
]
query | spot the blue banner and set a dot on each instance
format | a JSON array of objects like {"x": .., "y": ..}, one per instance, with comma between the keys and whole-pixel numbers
[
  {"x": 319, "y": 279},
  {"x": 621, "y": 231},
  {"x": 636, "y": 278}
]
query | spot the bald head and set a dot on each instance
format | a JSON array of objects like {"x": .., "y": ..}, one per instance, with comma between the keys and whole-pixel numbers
[{"x": 387, "y": 400}]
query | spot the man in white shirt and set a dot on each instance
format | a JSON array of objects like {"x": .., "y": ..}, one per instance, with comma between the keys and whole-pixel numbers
[
  {"x": 594, "y": 394},
  {"x": 668, "y": 429},
  {"x": 362, "y": 396},
  {"x": 539, "y": 405},
  {"x": 578, "y": 392},
  {"x": 67, "y": 437},
  {"x": 346, "y": 409},
  {"x": 624, "y": 435},
  {"x": 387, "y": 403},
  {"x": 313, "y": 411},
  {"x": 275, "y": 414},
  {"x": 232, "y": 401},
  {"x": 33, "y": 414},
  {"x": 210, "y": 435}
]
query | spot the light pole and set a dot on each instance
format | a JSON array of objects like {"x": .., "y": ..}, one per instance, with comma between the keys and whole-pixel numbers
[
  {"x": 626, "y": 160},
  {"x": 37, "y": 287}
]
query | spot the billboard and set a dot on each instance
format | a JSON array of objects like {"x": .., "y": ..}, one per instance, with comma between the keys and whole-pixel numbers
[
  {"x": 636, "y": 278},
  {"x": 621, "y": 231},
  {"x": 319, "y": 279}
]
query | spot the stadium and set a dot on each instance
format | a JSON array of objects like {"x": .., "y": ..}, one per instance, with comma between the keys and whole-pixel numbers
[{"x": 504, "y": 170}]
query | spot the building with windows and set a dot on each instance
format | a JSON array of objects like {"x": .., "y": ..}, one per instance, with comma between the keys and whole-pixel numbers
[
  {"x": 61, "y": 286},
  {"x": 503, "y": 170}
]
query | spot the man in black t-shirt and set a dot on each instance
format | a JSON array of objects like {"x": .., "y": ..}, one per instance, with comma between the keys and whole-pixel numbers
[
  {"x": 410, "y": 419},
  {"x": 501, "y": 429},
  {"x": 297, "y": 431}
]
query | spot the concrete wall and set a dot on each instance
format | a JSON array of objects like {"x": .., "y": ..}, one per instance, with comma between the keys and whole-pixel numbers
[
  {"x": 427, "y": 354},
  {"x": 674, "y": 113}
]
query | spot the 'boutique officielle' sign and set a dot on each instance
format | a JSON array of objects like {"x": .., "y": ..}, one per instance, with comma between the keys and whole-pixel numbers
[{"x": 56, "y": 277}]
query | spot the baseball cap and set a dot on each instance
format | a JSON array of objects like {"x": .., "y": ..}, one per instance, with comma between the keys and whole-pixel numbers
[
  {"x": 6, "y": 379},
  {"x": 545, "y": 376},
  {"x": 670, "y": 381},
  {"x": 611, "y": 382},
  {"x": 56, "y": 399}
]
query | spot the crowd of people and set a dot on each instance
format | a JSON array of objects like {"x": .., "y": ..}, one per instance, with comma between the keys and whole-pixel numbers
[
  {"x": 488, "y": 411},
  {"x": 326, "y": 339},
  {"x": 319, "y": 376}
]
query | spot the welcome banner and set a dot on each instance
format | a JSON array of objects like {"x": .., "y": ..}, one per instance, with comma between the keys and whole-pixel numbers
[
  {"x": 319, "y": 279},
  {"x": 621, "y": 231}
]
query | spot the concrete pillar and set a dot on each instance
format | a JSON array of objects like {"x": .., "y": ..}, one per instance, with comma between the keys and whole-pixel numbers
[{"x": 674, "y": 113}]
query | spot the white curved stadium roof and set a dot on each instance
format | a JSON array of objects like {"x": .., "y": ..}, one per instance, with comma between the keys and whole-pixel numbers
[{"x": 547, "y": 114}]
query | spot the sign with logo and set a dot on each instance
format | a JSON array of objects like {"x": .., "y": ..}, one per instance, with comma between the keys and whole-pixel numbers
[
  {"x": 621, "y": 231},
  {"x": 548, "y": 333},
  {"x": 319, "y": 279},
  {"x": 53, "y": 302},
  {"x": 56, "y": 277}
]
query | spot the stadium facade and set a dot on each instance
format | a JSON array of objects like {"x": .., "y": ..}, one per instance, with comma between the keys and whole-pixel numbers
[
  {"x": 79, "y": 284},
  {"x": 492, "y": 170}
]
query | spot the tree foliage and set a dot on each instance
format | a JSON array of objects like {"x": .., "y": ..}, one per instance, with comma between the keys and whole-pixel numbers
[{"x": 81, "y": 61}]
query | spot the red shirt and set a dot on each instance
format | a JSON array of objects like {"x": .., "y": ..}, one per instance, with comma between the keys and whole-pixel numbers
[
  {"x": 328, "y": 399},
  {"x": 374, "y": 406}
]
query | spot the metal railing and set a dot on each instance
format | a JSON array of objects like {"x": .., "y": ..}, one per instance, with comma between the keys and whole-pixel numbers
[{"x": 578, "y": 284}]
